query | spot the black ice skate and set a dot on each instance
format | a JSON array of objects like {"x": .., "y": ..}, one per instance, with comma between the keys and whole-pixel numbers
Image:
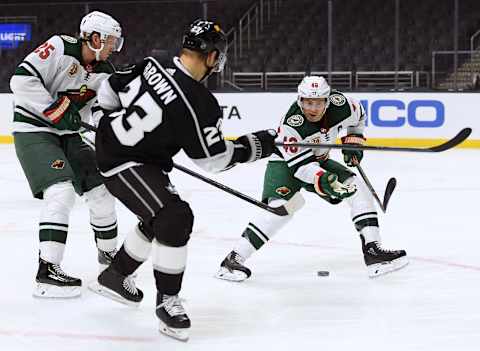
[
  {"x": 380, "y": 261},
  {"x": 173, "y": 319},
  {"x": 105, "y": 258},
  {"x": 52, "y": 281},
  {"x": 232, "y": 268},
  {"x": 117, "y": 287}
]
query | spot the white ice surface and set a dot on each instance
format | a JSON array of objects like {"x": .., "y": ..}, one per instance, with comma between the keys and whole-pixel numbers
[{"x": 432, "y": 304}]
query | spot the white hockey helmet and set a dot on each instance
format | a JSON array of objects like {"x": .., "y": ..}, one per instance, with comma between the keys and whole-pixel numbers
[
  {"x": 104, "y": 25},
  {"x": 313, "y": 87}
]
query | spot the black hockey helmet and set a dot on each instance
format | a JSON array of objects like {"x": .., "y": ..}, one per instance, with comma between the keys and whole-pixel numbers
[{"x": 205, "y": 37}]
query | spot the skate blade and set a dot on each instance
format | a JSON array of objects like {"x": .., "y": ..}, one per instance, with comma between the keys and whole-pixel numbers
[
  {"x": 181, "y": 334},
  {"x": 379, "y": 269},
  {"x": 235, "y": 276},
  {"x": 110, "y": 294},
  {"x": 47, "y": 291}
]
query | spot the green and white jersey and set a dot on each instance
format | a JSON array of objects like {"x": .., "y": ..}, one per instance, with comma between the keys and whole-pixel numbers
[
  {"x": 54, "y": 69},
  {"x": 344, "y": 115}
]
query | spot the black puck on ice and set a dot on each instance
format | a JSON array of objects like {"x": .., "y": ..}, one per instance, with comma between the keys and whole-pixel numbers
[{"x": 323, "y": 273}]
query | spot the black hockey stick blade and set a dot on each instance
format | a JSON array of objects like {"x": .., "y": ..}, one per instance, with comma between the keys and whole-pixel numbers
[
  {"x": 392, "y": 183},
  {"x": 457, "y": 139},
  {"x": 295, "y": 203}
]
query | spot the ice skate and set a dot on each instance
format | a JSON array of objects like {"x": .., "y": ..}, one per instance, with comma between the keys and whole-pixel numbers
[
  {"x": 232, "y": 268},
  {"x": 173, "y": 320},
  {"x": 53, "y": 282},
  {"x": 117, "y": 287},
  {"x": 105, "y": 258},
  {"x": 380, "y": 261}
]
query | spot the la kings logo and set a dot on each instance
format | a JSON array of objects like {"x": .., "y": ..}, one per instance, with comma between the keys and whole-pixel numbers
[
  {"x": 337, "y": 99},
  {"x": 295, "y": 120}
]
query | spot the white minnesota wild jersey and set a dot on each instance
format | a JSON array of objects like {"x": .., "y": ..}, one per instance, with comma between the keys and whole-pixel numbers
[
  {"x": 54, "y": 69},
  {"x": 343, "y": 114}
]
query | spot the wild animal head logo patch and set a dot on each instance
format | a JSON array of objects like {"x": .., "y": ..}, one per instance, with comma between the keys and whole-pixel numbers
[
  {"x": 73, "y": 70},
  {"x": 58, "y": 164},
  {"x": 80, "y": 96},
  {"x": 283, "y": 190}
]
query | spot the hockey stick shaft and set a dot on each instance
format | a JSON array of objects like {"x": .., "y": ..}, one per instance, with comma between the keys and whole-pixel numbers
[
  {"x": 88, "y": 127},
  {"x": 291, "y": 206},
  {"x": 457, "y": 139},
  {"x": 370, "y": 187}
]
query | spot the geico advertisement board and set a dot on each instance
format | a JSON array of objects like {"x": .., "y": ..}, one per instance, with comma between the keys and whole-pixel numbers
[{"x": 390, "y": 115}]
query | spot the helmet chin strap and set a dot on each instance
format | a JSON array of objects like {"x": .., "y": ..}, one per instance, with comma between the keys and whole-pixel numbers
[
  {"x": 97, "y": 51},
  {"x": 208, "y": 72}
]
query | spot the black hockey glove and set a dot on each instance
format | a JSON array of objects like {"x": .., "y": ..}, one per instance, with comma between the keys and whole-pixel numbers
[
  {"x": 353, "y": 157},
  {"x": 258, "y": 145},
  {"x": 63, "y": 114}
]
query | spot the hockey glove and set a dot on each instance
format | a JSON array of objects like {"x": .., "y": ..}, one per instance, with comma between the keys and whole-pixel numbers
[
  {"x": 258, "y": 145},
  {"x": 327, "y": 183},
  {"x": 63, "y": 114},
  {"x": 353, "y": 157}
]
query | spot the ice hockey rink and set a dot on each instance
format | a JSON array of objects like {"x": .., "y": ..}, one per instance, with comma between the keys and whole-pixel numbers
[{"x": 432, "y": 304}]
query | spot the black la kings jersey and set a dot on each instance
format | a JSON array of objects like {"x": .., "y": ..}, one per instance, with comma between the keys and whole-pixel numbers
[{"x": 159, "y": 110}]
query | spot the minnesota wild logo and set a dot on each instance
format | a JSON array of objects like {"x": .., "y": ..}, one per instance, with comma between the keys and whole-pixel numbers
[
  {"x": 73, "y": 70},
  {"x": 80, "y": 96},
  {"x": 283, "y": 190},
  {"x": 58, "y": 164}
]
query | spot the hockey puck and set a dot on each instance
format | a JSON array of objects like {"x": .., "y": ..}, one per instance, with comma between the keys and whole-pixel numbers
[{"x": 323, "y": 273}]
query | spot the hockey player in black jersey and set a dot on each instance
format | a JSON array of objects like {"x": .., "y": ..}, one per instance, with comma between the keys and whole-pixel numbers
[{"x": 158, "y": 108}]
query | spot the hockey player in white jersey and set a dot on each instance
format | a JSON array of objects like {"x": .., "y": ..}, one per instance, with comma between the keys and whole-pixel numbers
[
  {"x": 316, "y": 117},
  {"x": 54, "y": 89}
]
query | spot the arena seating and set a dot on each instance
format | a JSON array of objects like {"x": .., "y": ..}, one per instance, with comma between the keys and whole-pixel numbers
[
  {"x": 147, "y": 26},
  {"x": 294, "y": 40},
  {"x": 363, "y": 35}
]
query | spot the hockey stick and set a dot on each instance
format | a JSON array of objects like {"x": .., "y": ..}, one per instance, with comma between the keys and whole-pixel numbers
[
  {"x": 392, "y": 183},
  {"x": 292, "y": 205},
  {"x": 457, "y": 139}
]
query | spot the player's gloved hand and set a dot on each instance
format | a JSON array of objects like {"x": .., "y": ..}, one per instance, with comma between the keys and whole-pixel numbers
[
  {"x": 327, "y": 183},
  {"x": 353, "y": 157},
  {"x": 259, "y": 144},
  {"x": 63, "y": 114}
]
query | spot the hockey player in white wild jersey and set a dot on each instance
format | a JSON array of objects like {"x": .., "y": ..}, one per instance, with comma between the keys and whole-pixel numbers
[
  {"x": 317, "y": 116},
  {"x": 54, "y": 88}
]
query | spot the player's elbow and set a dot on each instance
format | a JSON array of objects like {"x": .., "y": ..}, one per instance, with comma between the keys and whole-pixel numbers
[{"x": 16, "y": 82}]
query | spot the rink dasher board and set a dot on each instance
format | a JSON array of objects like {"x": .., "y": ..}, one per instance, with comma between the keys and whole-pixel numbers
[{"x": 394, "y": 119}]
